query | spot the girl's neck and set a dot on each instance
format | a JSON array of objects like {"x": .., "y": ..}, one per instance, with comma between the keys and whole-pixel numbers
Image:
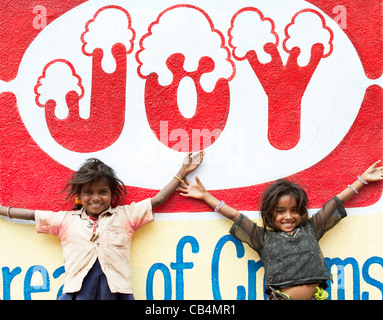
[{"x": 92, "y": 217}]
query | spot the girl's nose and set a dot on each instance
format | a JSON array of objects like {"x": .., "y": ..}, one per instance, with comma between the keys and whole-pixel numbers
[
  {"x": 96, "y": 196},
  {"x": 288, "y": 215}
]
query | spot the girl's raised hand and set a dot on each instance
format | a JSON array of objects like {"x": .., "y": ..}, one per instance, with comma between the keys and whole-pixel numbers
[
  {"x": 192, "y": 190},
  {"x": 191, "y": 162},
  {"x": 373, "y": 173}
]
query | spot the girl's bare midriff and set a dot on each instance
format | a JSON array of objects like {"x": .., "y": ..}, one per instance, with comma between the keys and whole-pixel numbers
[{"x": 303, "y": 292}]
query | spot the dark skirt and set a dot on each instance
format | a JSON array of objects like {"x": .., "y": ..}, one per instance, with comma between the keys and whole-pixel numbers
[{"x": 95, "y": 287}]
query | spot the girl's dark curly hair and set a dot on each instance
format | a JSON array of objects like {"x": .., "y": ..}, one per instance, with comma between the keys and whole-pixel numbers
[
  {"x": 91, "y": 171},
  {"x": 278, "y": 189}
]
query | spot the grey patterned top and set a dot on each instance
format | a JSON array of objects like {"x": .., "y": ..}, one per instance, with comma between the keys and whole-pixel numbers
[{"x": 296, "y": 259}]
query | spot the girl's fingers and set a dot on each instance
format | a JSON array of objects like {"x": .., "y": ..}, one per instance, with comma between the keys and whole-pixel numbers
[
  {"x": 182, "y": 189},
  {"x": 376, "y": 164},
  {"x": 198, "y": 181}
]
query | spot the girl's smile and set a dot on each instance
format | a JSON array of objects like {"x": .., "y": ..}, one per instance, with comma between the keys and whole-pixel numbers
[
  {"x": 96, "y": 197},
  {"x": 287, "y": 217}
]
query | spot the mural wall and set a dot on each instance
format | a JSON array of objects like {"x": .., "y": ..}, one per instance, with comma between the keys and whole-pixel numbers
[{"x": 269, "y": 89}]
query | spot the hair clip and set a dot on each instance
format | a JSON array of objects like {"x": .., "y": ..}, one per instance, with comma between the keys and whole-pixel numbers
[{"x": 77, "y": 201}]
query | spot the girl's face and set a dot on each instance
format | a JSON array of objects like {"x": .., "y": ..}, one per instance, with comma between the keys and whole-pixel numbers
[
  {"x": 286, "y": 214},
  {"x": 96, "y": 197}
]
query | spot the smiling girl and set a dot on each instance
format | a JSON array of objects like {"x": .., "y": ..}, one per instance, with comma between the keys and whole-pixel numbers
[
  {"x": 96, "y": 235},
  {"x": 287, "y": 243}
]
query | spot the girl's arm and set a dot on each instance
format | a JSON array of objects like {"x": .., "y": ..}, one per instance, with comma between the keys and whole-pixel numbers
[
  {"x": 198, "y": 191},
  {"x": 373, "y": 173},
  {"x": 17, "y": 213},
  {"x": 191, "y": 162}
]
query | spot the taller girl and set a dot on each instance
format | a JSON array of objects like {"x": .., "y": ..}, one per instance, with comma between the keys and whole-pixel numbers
[{"x": 96, "y": 236}]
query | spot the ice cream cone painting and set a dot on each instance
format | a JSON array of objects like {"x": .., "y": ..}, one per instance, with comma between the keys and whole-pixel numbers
[
  {"x": 187, "y": 68},
  {"x": 284, "y": 85}
]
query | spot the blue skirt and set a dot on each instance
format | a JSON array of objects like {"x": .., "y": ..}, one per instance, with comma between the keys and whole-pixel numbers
[{"x": 95, "y": 287}]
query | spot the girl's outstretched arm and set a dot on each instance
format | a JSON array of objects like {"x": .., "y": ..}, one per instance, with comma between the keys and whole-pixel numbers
[
  {"x": 17, "y": 213},
  {"x": 373, "y": 173},
  {"x": 198, "y": 191},
  {"x": 190, "y": 163}
]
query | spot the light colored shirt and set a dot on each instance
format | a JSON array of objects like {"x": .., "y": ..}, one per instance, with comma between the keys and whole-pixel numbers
[{"x": 116, "y": 227}]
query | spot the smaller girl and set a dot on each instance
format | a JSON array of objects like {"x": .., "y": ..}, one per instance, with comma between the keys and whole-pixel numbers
[
  {"x": 287, "y": 243},
  {"x": 96, "y": 236}
]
